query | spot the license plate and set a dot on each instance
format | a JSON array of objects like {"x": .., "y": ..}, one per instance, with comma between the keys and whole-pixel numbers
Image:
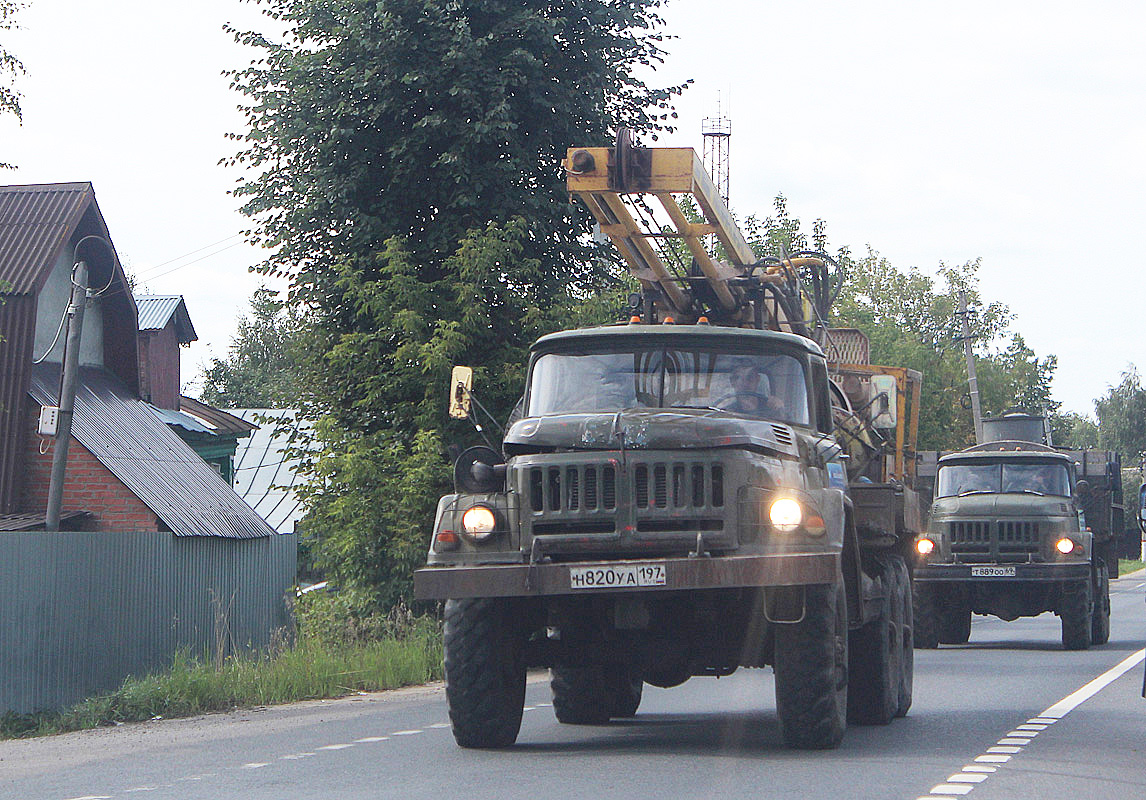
[
  {"x": 617, "y": 576},
  {"x": 992, "y": 572}
]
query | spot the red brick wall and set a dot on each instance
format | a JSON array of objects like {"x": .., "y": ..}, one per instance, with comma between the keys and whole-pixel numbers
[{"x": 88, "y": 486}]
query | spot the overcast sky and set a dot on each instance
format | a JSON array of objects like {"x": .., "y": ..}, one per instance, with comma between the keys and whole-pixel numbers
[{"x": 1014, "y": 132}]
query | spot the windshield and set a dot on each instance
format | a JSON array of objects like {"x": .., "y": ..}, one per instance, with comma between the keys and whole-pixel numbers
[
  {"x": 960, "y": 479},
  {"x": 761, "y": 386}
]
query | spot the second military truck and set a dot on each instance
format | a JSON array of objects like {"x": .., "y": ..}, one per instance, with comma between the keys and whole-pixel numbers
[
  {"x": 674, "y": 499},
  {"x": 1018, "y": 528}
]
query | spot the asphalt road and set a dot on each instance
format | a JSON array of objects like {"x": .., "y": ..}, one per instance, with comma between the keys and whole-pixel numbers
[{"x": 707, "y": 739}]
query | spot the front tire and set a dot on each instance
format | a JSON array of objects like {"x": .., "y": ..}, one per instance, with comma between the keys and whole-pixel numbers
[
  {"x": 811, "y": 670},
  {"x": 1100, "y": 620},
  {"x": 485, "y": 671},
  {"x": 1075, "y": 611},
  {"x": 955, "y": 621}
]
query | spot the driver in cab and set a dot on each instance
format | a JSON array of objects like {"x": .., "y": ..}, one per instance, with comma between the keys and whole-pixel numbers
[{"x": 751, "y": 393}]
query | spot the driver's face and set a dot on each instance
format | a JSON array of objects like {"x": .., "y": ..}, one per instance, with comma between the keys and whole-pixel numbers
[{"x": 745, "y": 379}]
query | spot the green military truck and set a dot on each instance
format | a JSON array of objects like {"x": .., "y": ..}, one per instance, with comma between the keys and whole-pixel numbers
[
  {"x": 672, "y": 501},
  {"x": 1018, "y": 528}
]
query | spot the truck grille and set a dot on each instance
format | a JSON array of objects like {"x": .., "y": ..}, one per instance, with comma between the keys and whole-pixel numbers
[
  {"x": 997, "y": 538},
  {"x": 660, "y": 485},
  {"x": 665, "y": 497},
  {"x": 573, "y": 488}
]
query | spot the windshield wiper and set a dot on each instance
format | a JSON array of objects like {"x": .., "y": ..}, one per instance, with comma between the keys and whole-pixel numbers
[
  {"x": 976, "y": 491},
  {"x": 702, "y": 408},
  {"x": 1028, "y": 491}
]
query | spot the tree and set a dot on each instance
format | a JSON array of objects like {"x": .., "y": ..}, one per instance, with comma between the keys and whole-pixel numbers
[
  {"x": 10, "y": 66},
  {"x": 404, "y": 169},
  {"x": 911, "y": 320},
  {"x": 1121, "y": 416},
  {"x": 267, "y": 360}
]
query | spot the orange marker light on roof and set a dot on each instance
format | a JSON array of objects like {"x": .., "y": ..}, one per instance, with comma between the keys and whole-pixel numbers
[
  {"x": 702, "y": 320},
  {"x": 633, "y": 320},
  {"x": 669, "y": 321}
]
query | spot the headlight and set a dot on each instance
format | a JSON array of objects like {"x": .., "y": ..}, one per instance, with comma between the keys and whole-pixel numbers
[
  {"x": 785, "y": 514},
  {"x": 479, "y": 523},
  {"x": 1065, "y": 545},
  {"x": 924, "y": 547}
]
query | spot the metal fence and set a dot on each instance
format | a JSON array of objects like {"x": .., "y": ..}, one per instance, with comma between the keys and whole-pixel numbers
[{"x": 79, "y": 612}]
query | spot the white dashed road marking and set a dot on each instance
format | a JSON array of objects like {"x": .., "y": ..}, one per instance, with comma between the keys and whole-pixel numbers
[
  {"x": 1006, "y": 748},
  {"x": 335, "y": 746},
  {"x": 407, "y": 733},
  {"x": 369, "y": 739}
]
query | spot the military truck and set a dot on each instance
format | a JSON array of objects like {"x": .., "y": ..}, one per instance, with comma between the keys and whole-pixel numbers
[
  {"x": 1018, "y": 527},
  {"x": 671, "y": 499}
]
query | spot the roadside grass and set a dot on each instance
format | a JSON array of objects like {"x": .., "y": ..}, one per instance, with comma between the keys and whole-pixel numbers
[
  {"x": 1126, "y": 565},
  {"x": 323, "y": 662}
]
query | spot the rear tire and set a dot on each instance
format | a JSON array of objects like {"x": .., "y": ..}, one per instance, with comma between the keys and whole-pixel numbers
[
  {"x": 626, "y": 691},
  {"x": 924, "y": 601},
  {"x": 581, "y": 695},
  {"x": 1076, "y": 610},
  {"x": 485, "y": 671},
  {"x": 906, "y": 637},
  {"x": 811, "y": 662},
  {"x": 1100, "y": 620},
  {"x": 874, "y": 660}
]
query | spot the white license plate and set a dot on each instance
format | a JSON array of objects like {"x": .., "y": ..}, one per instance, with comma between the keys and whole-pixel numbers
[
  {"x": 617, "y": 576},
  {"x": 992, "y": 572}
]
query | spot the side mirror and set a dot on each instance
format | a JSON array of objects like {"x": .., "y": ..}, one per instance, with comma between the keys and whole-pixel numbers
[
  {"x": 461, "y": 382},
  {"x": 1142, "y": 508},
  {"x": 885, "y": 405},
  {"x": 1082, "y": 486}
]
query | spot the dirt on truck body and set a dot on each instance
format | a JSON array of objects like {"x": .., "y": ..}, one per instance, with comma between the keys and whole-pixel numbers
[{"x": 699, "y": 490}]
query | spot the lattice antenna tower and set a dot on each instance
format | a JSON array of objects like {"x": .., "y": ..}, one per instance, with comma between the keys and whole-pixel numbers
[{"x": 717, "y": 136}]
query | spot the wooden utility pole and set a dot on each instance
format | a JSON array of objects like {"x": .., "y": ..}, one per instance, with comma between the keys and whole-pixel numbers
[
  {"x": 67, "y": 394},
  {"x": 972, "y": 380}
]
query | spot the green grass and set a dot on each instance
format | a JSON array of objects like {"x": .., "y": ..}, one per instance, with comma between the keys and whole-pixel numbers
[
  {"x": 1126, "y": 565},
  {"x": 312, "y": 668}
]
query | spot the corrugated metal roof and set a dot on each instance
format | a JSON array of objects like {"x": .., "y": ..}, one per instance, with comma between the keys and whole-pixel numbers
[
  {"x": 151, "y": 460},
  {"x": 264, "y": 476},
  {"x": 156, "y": 310},
  {"x": 185, "y": 421},
  {"x": 35, "y": 222},
  {"x": 219, "y": 421}
]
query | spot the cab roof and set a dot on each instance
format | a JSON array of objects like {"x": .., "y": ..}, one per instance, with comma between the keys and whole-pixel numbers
[{"x": 673, "y": 336}]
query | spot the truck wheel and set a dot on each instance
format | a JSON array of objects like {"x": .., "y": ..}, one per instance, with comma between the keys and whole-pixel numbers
[
  {"x": 626, "y": 691},
  {"x": 1100, "y": 621},
  {"x": 811, "y": 663},
  {"x": 581, "y": 695},
  {"x": 906, "y": 636},
  {"x": 955, "y": 622},
  {"x": 1075, "y": 610},
  {"x": 873, "y": 660},
  {"x": 485, "y": 671},
  {"x": 924, "y": 602}
]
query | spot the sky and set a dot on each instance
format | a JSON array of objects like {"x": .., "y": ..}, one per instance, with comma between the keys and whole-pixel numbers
[{"x": 1012, "y": 132}]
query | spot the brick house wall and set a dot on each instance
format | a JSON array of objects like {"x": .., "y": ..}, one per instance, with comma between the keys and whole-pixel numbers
[{"x": 88, "y": 486}]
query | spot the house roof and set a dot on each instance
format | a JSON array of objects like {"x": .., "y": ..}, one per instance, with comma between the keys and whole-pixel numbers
[
  {"x": 156, "y": 310},
  {"x": 218, "y": 420},
  {"x": 149, "y": 458},
  {"x": 35, "y": 222},
  {"x": 264, "y": 475}
]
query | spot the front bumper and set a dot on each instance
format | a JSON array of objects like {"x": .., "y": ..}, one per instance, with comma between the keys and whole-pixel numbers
[
  {"x": 681, "y": 574},
  {"x": 1042, "y": 573}
]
